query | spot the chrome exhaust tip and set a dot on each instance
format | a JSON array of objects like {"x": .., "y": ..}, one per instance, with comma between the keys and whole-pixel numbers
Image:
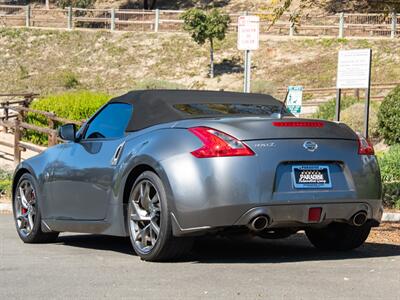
[
  {"x": 359, "y": 218},
  {"x": 259, "y": 223}
]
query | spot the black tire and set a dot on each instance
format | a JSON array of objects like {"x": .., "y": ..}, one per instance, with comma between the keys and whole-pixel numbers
[
  {"x": 339, "y": 236},
  {"x": 36, "y": 235},
  {"x": 167, "y": 247}
]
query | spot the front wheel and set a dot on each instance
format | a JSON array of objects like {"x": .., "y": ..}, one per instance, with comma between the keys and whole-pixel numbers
[
  {"x": 149, "y": 221},
  {"x": 27, "y": 214},
  {"x": 339, "y": 236}
]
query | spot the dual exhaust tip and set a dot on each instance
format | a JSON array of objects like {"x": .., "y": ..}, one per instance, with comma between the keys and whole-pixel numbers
[
  {"x": 260, "y": 223},
  {"x": 359, "y": 219}
]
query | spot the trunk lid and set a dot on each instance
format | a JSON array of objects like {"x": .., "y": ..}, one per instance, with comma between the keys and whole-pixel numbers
[{"x": 259, "y": 128}]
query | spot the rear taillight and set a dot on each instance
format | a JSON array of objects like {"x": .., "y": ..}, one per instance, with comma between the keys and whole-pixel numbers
[
  {"x": 217, "y": 144},
  {"x": 364, "y": 146}
]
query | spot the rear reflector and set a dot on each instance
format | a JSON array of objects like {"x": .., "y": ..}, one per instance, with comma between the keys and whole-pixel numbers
[
  {"x": 314, "y": 214},
  {"x": 364, "y": 146},
  {"x": 217, "y": 143},
  {"x": 299, "y": 124}
]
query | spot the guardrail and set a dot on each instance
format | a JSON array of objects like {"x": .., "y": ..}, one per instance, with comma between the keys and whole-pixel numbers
[{"x": 339, "y": 25}]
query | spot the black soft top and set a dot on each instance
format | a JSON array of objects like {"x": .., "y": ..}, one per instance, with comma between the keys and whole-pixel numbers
[{"x": 152, "y": 107}]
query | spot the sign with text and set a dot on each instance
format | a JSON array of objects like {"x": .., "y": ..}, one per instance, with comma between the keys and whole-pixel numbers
[
  {"x": 354, "y": 67},
  {"x": 295, "y": 99},
  {"x": 248, "y": 32}
]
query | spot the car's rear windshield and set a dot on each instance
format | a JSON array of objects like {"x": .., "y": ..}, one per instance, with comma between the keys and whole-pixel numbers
[{"x": 204, "y": 109}]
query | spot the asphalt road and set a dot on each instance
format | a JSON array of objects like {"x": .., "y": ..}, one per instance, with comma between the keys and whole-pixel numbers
[{"x": 93, "y": 266}]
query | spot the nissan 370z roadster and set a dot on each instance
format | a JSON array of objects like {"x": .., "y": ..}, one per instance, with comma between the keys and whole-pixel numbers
[{"x": 165, "y": 166}]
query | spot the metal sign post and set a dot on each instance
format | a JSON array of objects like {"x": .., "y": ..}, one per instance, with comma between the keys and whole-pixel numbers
[
  {"x": 354, "y": 72},
  {"x": 248, "y": 39}
]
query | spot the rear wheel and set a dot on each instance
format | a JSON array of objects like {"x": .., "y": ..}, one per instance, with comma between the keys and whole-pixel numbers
[
  {"x": 27, "y": 214},
  {"x": 149, "y": 221},
  {"x": 339, "y": 236}
]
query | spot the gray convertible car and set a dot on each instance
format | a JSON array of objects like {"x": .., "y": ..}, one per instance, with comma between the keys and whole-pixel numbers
[{"x": 163, "y": 167}]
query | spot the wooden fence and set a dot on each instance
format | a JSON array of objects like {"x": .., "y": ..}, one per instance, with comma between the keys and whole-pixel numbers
[
  {"x": 338, "y": 25},
  {"x": 13, "y": 121}
]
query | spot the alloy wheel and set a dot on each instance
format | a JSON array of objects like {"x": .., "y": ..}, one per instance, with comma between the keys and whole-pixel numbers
[
  {"x": 145, "y": 216},
  {"x": 25, "y": 207}
]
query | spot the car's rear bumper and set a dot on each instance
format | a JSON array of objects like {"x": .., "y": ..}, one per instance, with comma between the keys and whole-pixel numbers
[{"x": 286, "y": 216}]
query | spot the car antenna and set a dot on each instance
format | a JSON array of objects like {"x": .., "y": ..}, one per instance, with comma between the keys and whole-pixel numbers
[{"x": 283, "y": 104}]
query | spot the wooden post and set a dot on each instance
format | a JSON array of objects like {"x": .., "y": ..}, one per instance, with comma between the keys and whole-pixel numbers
[
  {"x": 341, "y": 25},
  {"x": 394, "y": 25},
  {"x": 157, "y": 20},
  {"x": 69, "y": 18},
  {"x": 6, "y": 115},
  {"x": 112, "y": 27},
  {"x": 17, "y": 137},
  {"x": 28, "y": 15},
  {"x": 52, "y": 137}
]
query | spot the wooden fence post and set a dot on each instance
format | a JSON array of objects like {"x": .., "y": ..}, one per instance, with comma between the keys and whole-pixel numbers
[
  {"x": 157, "y": 20},
  {"x": 17, "y": 137},
  {"x": 394, "y": 25},
  {"x": 69, "y": 18},
  {"x": 52, "y": 137},
  {"x": 341, "y": 25},
  {"x": 28, "y": 15},
  {"x": 112, "y": 26}
]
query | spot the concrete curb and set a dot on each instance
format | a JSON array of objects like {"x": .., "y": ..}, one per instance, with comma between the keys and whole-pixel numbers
[{"x": 6, "y": 208}]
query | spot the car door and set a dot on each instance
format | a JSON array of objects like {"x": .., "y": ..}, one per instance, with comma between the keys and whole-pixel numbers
[{"x": 82, "y": 181}]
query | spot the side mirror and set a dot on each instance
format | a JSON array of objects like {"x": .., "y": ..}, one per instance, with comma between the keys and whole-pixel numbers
[{"x": 67, "y": 132}]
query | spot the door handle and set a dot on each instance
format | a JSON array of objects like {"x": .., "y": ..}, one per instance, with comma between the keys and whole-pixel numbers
[{"x": 117, "y": 154}]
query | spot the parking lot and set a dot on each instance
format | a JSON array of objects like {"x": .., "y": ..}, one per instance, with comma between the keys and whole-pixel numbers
[{"x": 93, "y": 266}]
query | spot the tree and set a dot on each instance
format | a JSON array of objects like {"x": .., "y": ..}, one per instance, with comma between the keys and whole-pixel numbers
[
  {"x": 151, "y": 6},
  {"x": 206, "y": 26}
]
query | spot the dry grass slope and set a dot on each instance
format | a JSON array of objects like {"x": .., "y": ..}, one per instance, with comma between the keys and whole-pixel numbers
[{"x": 47, "y": 61}]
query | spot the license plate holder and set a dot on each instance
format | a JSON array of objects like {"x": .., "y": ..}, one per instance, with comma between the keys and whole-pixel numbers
[{"x": 311, "y": 177}]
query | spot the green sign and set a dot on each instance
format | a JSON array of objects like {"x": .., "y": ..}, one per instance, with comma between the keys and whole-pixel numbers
[{"x": 295, "y": 99}]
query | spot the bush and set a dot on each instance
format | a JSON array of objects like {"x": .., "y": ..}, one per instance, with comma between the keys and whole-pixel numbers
[
  {"x": 69, "y": 80},
  {"x": 72, "y": 105},
  {"x": 5, "y": 183},
  {"x": 326, "y": 111},
  {"x": 353, "y": 116},
  {"x": 389, "y": 164},
  {"x": 389, "y": 117},
  {"x": 75, "y": 3}
]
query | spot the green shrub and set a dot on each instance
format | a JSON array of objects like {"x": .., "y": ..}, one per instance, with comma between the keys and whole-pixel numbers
[
  {"x": 69, "y": 80},
  {"x": 353, "y": 116},
  {"x": 391, "y": 194},
  {"x": 72, "y": 105},
  {"x": 389, "y": 117},
  {"x": 75, "y": 3},
  {"x": 5, "y": 182},
  {"x": 326, "y": 111},
  {"x": 389, "y": 163}
]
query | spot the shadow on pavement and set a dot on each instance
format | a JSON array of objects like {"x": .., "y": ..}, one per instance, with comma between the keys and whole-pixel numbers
[{"x": 223, "y": 250}]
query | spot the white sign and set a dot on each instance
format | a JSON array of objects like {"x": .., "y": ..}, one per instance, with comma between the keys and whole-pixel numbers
[
  {"x": 248, "y": 32},
  {"x": 354, "y": 67},
  {"x": 295, "y": 99}
]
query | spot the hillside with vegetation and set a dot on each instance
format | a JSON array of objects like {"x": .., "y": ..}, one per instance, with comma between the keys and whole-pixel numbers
[{"x": 47, "y": 61}]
